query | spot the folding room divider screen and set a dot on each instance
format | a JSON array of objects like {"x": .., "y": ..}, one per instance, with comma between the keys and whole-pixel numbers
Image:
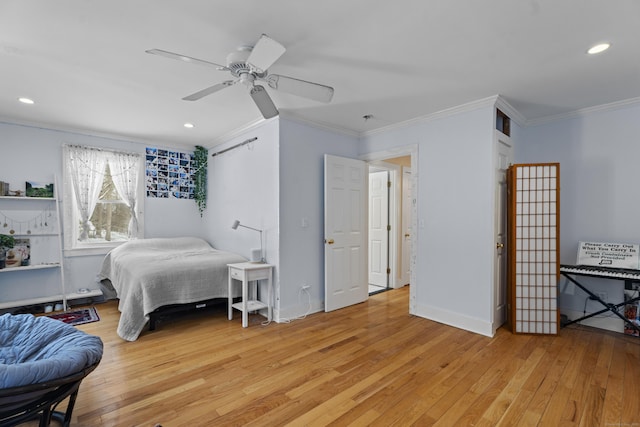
[{"x": 533, "y": 264}]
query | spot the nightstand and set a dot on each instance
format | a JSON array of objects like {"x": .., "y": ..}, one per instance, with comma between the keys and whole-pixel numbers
[{"x": 247, "y": 272}]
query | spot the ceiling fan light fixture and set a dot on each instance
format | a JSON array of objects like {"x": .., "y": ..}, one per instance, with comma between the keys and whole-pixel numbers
[
  {"x": 598, "y": 48},
  {"x": 24, "y": 100},
  {"x": 189, "y": 125}
]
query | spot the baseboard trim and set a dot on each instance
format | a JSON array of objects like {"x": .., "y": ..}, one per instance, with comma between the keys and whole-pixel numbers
[{"x": 457, "y": 320}]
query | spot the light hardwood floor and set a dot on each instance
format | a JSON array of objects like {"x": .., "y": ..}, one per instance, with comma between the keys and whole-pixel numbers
[{"x": 370, "y": 364}]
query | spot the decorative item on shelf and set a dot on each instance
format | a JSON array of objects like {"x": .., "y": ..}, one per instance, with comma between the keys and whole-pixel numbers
[
  {"x": 255, "y": 255},
  {"x": 200, "y": 177},
  {"x": 6, "y": 243},
  {"x": 4, "y": 188},
  {"x": 37, "y": 189},
  {"x": 22, "y": 249},
  {"x": 16, "y": 193},
  {"x": 38, "y": 223}
]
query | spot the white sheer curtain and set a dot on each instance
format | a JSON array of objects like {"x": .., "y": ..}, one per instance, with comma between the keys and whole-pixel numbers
[
  {"x": 125, "y": 172},
  {"x": 86, "y": 170}
]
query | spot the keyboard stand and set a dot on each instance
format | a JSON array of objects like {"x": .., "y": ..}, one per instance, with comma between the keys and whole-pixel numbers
[{"x": 608, "y": 306}]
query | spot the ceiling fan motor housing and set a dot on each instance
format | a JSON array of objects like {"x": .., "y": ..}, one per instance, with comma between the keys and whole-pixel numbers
[{"x": 237, "y": 64}]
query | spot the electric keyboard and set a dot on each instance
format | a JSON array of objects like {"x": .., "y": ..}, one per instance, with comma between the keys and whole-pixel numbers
[
  {"x": 629, "y": 277},
  {"x": 597, "y": 271}
]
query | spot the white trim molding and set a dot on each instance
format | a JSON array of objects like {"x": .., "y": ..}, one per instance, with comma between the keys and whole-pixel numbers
[{"x": 457, "y": 320}]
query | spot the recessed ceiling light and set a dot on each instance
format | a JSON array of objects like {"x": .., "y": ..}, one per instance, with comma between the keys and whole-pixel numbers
[
  {"x": 189, "y": 125},
  {"x": 26, "y": 100},
  {"x": 598, "y": 48}
]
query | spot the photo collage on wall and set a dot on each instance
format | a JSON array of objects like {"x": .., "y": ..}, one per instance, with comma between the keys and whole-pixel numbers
[{"x": 169, "y": 174}]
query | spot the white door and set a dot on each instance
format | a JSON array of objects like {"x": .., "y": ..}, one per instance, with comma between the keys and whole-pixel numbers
[
  {"x": 503, "y": 160},
  {"x": 378, "y": 228},
  {"x": 407, "y": 208},
  {"x": 345, "y": 232}
]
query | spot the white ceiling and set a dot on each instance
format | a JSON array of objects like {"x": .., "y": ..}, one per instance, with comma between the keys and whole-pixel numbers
[{"x": 84, "y": 61}]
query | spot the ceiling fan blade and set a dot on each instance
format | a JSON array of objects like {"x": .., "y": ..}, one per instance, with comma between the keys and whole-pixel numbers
[
  {"x": 208, "y": 91},
  {"x": 184, "y": 58},
  {"x": 263, "y": 102},
  {"x": 298, "y": 87},
  {"x": 265, "y": 53}
]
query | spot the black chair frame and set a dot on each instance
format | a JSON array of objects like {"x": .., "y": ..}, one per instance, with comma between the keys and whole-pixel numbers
[{"x": 39, "y": 401}]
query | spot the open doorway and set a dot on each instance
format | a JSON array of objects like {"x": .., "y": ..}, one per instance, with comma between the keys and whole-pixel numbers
[{"x": 390, "y": 223}]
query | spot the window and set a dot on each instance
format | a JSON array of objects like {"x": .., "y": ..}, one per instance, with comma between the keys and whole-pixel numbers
[{"x": 103, "y": 194}]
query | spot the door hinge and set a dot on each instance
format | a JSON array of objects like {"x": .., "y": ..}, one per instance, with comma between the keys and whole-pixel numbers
[
  {"x": 388, "y": 227},
  {"x": 388, "y": 184},
  {"x": 388, "y": 270}
]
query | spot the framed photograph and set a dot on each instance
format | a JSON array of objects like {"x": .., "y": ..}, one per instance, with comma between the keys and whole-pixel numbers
[
  {"x": 20, "y": 254},
  {"x": 37, "y": 189}
]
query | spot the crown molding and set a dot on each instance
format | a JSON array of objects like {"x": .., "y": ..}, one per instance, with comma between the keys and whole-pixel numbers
[
  {"x": 584, "y": 112},
  {"x": 82, "y": 132},
  {"x": 239, "y": 131},
  {"x": 469, "y": 106}
]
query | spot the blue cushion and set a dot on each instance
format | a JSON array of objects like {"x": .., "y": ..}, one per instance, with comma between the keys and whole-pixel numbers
[{"x": 38, "y": 349}]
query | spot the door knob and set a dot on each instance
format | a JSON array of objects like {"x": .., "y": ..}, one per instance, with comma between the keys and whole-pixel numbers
[
  {"x": 407, "y": 235},
  {"x": 330, "y": 241},
  {"x": 499, "y": 245}
]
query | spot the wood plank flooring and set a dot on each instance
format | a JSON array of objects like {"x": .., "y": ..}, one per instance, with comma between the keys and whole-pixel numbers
[{"x": 370, "y": 364}]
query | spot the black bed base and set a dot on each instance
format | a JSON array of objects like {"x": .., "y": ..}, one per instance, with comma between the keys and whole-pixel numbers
[{"x": 170, "y": 310}]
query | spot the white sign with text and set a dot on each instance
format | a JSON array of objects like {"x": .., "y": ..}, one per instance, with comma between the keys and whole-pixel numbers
[{"x": 610, "y": 255}]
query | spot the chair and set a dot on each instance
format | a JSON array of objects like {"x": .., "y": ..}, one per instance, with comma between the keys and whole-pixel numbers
[
  {"x": 39, "y": 401},
  {"x": 42, "y": 363}
]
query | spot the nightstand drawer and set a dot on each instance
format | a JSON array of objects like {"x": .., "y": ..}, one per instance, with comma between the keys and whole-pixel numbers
[
  {"x": 260, "y": 274},
  {"x": 235, "y": 274}
]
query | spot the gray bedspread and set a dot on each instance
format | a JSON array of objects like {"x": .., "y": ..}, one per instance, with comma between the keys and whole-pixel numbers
[{"x": 151, "y": 273}]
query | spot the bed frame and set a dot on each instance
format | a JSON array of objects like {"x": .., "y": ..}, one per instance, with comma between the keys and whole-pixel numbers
[
  {"x": 170, "y": 310},
  {"x": 167, "y": 310}
]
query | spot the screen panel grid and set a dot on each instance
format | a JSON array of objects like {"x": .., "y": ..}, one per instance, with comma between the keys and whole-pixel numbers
[{"x": 535, "y": 252}]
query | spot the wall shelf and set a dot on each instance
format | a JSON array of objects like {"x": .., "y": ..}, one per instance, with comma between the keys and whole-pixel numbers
[
  {"x": 50, "y": 199},
  {"x": 50, "y": 298},
  {"x": 29, "y": 267},
  {"x": 37, "y": 222}
]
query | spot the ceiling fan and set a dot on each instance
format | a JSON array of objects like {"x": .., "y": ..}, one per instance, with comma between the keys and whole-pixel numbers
[{"x": 249, "y": 65}]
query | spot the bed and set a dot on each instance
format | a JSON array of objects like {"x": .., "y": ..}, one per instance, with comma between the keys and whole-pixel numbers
[{"x": 151, "y": 274}]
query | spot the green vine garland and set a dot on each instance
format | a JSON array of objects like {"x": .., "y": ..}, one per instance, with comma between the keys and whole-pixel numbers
[{"x": 200, "y": 177}]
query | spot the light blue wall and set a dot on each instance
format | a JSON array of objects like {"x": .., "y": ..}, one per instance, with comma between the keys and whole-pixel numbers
[
  {"x": 302, "y": 150},
  {"x": 455, "y": 214},
  {"x": 243, "y": 185},
  {"x": 598, "y": 154},
  {"x": 274, "y": 185},
  {"x": 35, "y": 154}
]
